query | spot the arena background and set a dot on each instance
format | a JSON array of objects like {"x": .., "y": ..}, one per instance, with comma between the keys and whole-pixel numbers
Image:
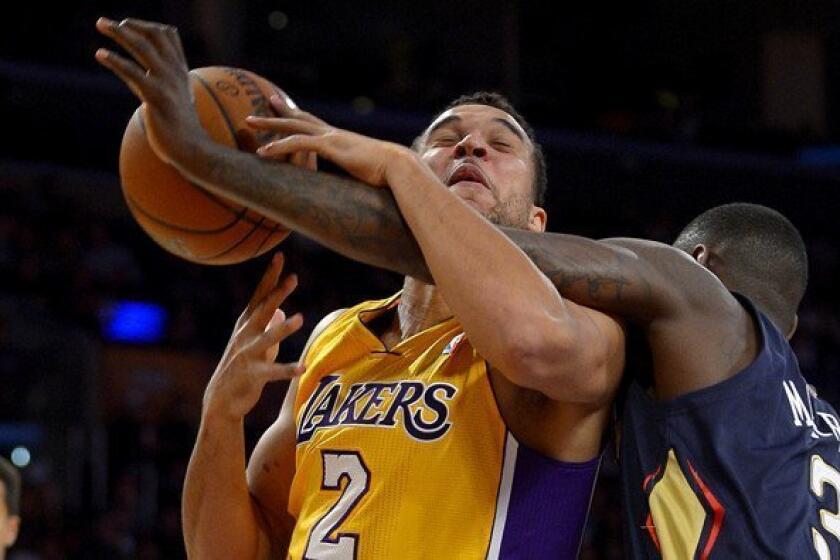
[{"x": 650, "y": 112}]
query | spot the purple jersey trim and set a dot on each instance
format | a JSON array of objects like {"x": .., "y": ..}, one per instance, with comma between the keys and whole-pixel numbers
[{"x": 547, "y": 506}]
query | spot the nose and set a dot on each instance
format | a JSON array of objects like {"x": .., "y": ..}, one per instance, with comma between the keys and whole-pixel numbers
[{"x": 470, "y": 146}]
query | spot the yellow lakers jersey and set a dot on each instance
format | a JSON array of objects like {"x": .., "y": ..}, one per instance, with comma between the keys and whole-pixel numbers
[{"x": 402, "y": 453}]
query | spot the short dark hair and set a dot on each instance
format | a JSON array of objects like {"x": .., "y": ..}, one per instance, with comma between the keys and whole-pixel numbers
[
  {"x": 10, "y": 477},
  {"x": 766, "y": 256},
  {"x": 499, "y": 101}
]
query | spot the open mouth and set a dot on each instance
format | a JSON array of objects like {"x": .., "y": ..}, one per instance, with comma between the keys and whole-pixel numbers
[{"x": 468, "y": 172}]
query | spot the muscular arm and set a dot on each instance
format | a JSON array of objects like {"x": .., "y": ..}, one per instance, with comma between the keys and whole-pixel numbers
[
  {"x": 649, "y": 284},
  {"x": 695, "y": 328},
  {"x": 698, "y": 333},
  {"x": 511, "y": 312},
  {"x": 365, "y": 224},
  {"x": 345, "y": 215}
]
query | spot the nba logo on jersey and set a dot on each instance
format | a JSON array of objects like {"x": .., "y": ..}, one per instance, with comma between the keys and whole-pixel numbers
[{"x": 453, "y": 345}]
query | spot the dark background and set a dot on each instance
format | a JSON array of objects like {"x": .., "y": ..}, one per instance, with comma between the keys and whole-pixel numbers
[{"x": 650, "y": 112}]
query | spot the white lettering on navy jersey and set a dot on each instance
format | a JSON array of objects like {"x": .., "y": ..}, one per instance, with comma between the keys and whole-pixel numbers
[{"x": 822, "y": 424}]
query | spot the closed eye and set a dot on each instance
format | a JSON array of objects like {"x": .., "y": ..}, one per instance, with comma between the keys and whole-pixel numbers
[{"x": 444, "y": 140}]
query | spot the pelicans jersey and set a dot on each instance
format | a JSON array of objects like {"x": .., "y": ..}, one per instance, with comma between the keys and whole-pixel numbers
[
  {"x": 402, "y": 454},
  {"x": 747, "y": 468}
]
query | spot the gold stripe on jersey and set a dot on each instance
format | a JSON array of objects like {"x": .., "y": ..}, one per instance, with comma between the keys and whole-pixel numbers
[{"x": 399, "y": 452}]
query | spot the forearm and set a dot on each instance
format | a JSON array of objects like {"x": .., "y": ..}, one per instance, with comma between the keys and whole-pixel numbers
[
  {"x": 597, "y": 274},
  {"x": 365, "y": 224},
  {"x": 491, "y": 286},
  {"x": 345, "y": 215},
  {"x": 219, "y": 517}
]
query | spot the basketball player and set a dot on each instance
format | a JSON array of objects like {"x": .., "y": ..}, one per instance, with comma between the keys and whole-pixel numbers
[
  {"x": 462, "y": 420},
  {"x": 9, "y": 505},
  {"x": 726, "y": 452}
]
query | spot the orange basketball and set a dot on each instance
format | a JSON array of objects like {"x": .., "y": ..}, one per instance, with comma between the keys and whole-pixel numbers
[{"x": 182, "y": 217}]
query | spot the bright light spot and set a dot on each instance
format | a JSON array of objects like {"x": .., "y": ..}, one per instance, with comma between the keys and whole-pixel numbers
[
  {"x": 278, "y": 20},
  {"x": 363, "y": 105},
  {"x": 21, "y": 457}
]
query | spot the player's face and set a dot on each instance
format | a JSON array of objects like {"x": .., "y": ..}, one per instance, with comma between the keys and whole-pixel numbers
[
  {"x": 8, "y": 524},
  {"x": 484, "y": 156}
]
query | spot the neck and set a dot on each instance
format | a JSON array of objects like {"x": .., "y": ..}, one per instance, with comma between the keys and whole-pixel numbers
[{"x": 421, "y": 306}]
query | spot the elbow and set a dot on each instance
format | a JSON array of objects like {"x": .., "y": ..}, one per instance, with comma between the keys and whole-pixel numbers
[{"x": 561, "y": 367}]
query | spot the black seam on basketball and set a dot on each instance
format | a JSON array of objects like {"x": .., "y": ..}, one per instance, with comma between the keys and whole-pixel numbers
[
  {"x": 265, "y": 239},
  {"x": 221, "y": 108},
  {"x": 133, "y": 203},
  {"x": 235, "y": 245}
]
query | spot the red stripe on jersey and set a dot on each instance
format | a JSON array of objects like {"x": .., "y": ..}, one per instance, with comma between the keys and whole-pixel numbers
[{"x": 718, "y": 512}]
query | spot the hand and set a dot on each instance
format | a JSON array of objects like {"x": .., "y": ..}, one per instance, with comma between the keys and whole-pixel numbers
[
  {"x": 284, "y": 107},
  {"x": 157, "y": 73},
  {"x": 367, "y": 159},
  {"x": 248, "y": 362}
]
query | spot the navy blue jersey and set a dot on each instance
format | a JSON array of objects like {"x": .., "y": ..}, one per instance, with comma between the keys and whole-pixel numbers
[{"x": 747, "y": 468}]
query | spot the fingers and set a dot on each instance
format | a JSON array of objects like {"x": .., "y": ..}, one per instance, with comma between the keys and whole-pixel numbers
[
  {"x": 126, "y": 70},
  {"x": 291, "y": 126},
  {"x": 283, "y": 104},
  {"x": 279, "y": 372},
  {"x": 262, "y": 314},
  {"x": 278, "y": 330},
  {"x": 267, "y": 282},
  {"x": 298, "y": 143},
  {"x": 284, "y": 125},
  {"x": 149, "y": 43},
  {"x": 141, "y": 49},
  {"x": 175, "y": 37},
  {"x": 285, "y": 107}
]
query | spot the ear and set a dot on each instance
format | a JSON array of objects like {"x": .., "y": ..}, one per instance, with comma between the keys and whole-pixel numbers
[
  {"x": 792, "y": 330},
  {"x": 537, "y": 220},
  {"x": 701, "y": 254}
]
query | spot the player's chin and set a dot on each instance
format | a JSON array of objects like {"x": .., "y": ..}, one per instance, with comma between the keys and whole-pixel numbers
[
  {"x": 482, "y": 201},
  {"x": 479, "y": 207}
]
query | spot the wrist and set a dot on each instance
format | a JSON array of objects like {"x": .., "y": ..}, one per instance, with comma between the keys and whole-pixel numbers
[
  {"x": 403, "y": 163},
  {"x": 193, "y": 154},
  {"x": 217, "y": 416},
  {"x": 216, "y": 423}
]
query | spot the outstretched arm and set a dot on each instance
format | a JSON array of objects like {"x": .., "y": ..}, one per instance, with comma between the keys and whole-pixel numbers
[{"x": 344, "y": 214}]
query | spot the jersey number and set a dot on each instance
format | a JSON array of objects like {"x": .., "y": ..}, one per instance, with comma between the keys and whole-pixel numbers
[
  {"x": 821, "y": 474},
  {"x": 338, "y": 465}
]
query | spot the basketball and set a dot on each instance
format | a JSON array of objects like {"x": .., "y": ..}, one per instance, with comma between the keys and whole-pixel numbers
[{"x": 179, "y": 215}]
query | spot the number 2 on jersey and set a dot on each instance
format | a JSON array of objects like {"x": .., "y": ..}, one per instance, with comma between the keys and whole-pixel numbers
[{"x": 338, "y": 465}]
